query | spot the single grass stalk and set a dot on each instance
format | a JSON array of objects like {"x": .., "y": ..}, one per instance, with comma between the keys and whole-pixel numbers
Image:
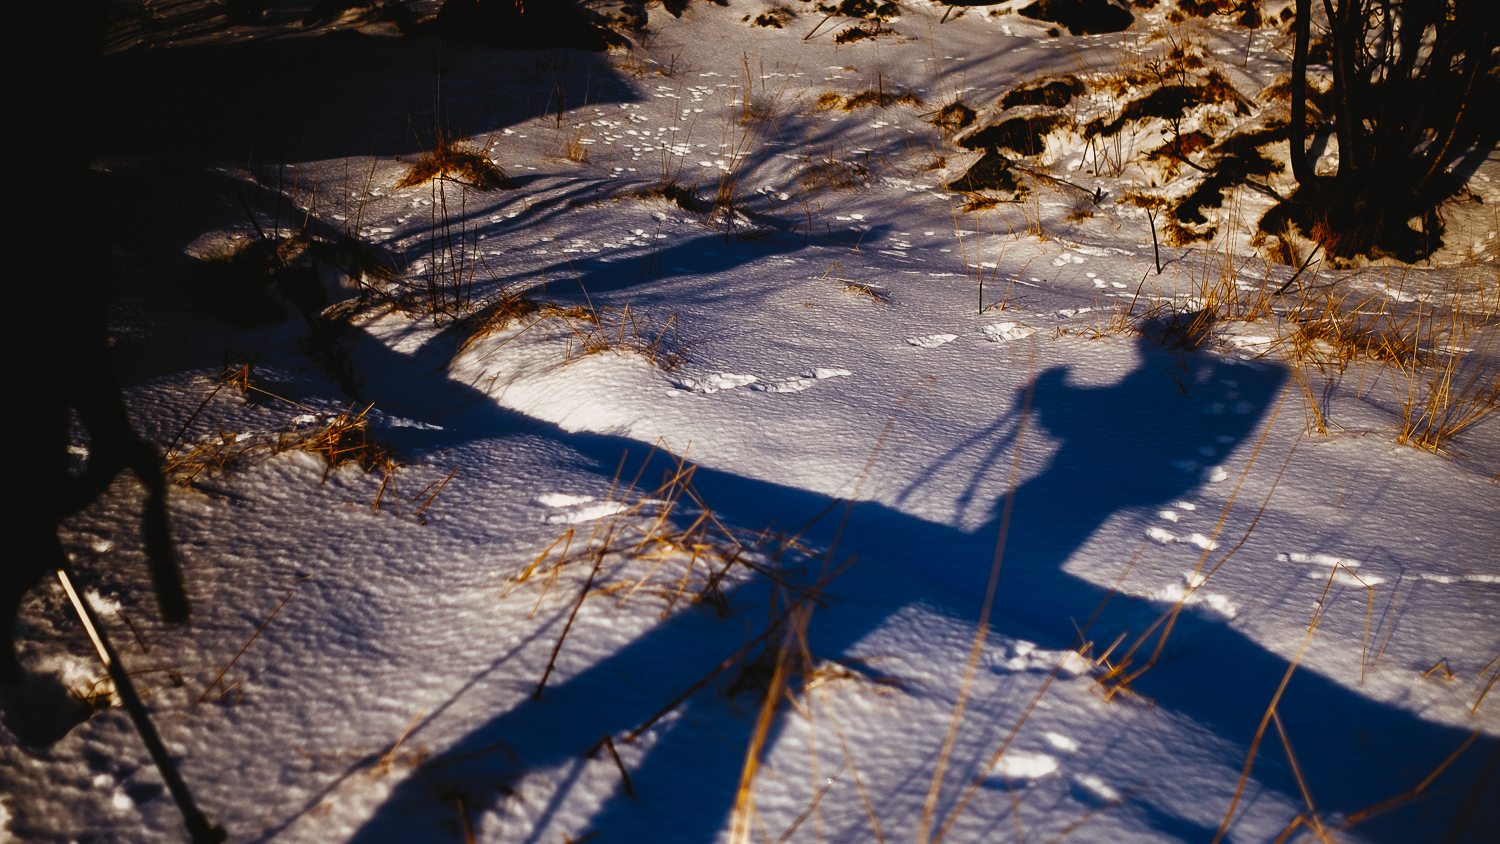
[
  {"x": 245, "y": 647},
  {"x": 608, "y": 743},
  {"x": 1312, "y": 810},
  {"x": 982, "y": 633},
  {"x": 384, "y": 764},
  {"x": 1488, "y": 686},
  {"x": 582, "y": 594},
  {"x": 1239, "y": 789},
  {"x": 1406, "y": 796},
  {"x": 854, "y": 770}
]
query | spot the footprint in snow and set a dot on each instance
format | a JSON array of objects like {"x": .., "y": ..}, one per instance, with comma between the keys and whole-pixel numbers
[
  {"x": 1001, "y": 331},
  {"x": 799, "y": 383},
  {"x": 1344, "y": 568},
  {"x": 1190, "y": 594},
  {"x": 716, "y": 383},
  {"x": 931, "y": 341},
  {"x": 1163, "y": 536},
  {"x": 1019, "y": 767},
  {"x": 578, "y": 509}
]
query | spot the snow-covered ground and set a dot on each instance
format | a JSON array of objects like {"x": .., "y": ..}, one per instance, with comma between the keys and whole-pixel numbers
[{"x": 801, "y": 410}]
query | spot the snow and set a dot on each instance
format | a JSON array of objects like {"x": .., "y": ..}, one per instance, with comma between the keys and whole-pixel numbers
[{"x": 815, "y": 378}]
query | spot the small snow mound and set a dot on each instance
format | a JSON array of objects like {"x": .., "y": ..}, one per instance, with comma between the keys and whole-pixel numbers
[
  {"x": 931, "y": 341},
  {"x": 101, "y": 604},
  {"x": 1202, "y": 541},
  {"x": 1002, "y": 331},
  {"x": 1215, "y": 474},
  {"x": 1024, "y": 765},
  {"x": 1344, "y": 578}
]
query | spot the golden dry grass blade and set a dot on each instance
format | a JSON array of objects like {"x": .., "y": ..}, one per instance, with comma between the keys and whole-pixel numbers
[
  {"x": 929, "y": 806},
  {"x": 245, "y": 647}
]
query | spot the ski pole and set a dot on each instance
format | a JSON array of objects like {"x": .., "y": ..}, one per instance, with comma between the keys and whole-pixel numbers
[{"x": 198, "y": 826}]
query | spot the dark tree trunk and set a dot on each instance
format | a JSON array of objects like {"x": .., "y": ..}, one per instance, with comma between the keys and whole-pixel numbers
[{"x": 1412, "y": 80}]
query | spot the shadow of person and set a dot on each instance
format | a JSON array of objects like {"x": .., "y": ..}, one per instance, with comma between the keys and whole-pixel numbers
[{"x": 1137, "y": 443}]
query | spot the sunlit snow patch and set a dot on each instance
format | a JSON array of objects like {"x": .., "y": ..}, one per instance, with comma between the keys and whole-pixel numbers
[
  {"x": 1002, "y": 331},
  {"x": 799, "y": 383},
  {"x": 1024, "y": 765},
  {"x": 931, "y": 341}
]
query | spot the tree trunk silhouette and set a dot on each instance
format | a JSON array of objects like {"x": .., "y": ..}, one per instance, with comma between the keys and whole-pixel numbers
[{"x": 1413, "y": 86}]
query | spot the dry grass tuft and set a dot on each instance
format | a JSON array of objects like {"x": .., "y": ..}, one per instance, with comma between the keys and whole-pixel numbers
[
  {"x": 340, "y": 439},
  {"x": 954, "y": 116},
  {"x": 450, "y": 160},
  {"x": 881, "y": 98},
  {"x": 862, "y": 31},
  {"x": 832, "y": 174},
  {"x": 683, "y": 196},
  {"x": 627, "y": 331}
]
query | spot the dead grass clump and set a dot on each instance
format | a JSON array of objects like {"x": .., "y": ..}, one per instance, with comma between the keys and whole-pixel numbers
[
  {"x": 954, "y": 116},
  {"x": 828, "y": 101},
  {"x": 1445, "y": 401},
  {"x": 642, "y": 547},
  {"x": 449, "y": 160},
  {"x": 883, "y": 10},
  {"x": 251, "y": 283},
  {"x": 1168, "y": 102},
  {"x": 777, "y": 17},
  {"x": 832, "y": 174},
  {"x": 345, "y": 439},
  {"x": 627, "y": 331},
  {"x": 862, "y": 31},
  {"x": 496, "y": 316},
  {"x": 1174, "y": 153},
  {"x": 340, "y": 439},
  {"x": 682, "y": 196},
  {"x": 881, "y": 98}
]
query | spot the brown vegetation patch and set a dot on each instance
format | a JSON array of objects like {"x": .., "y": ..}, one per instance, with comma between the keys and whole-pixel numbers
[
  {"x": 954, "y": 116},
  {"x": 1025, "y": 135},
  {"x": 1055, "y": 93},
  {"x": 450, "y": 161}
]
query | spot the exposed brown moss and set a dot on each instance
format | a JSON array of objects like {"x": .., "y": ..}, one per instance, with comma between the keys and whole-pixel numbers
[
  {"x": 881, "y": 99},
  {"x": 1047, "y": 92},
  {"x": 954, "y": 116},
  {"x": 860, "y": 32},
  {"x": 1025, "y": 135}
]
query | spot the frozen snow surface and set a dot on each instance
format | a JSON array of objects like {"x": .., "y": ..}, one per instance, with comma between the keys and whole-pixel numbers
[{"x": 1195, "y": 611}]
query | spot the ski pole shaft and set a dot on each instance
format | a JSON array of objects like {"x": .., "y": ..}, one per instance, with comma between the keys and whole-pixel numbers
[{"x": 198, "y": 826}]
